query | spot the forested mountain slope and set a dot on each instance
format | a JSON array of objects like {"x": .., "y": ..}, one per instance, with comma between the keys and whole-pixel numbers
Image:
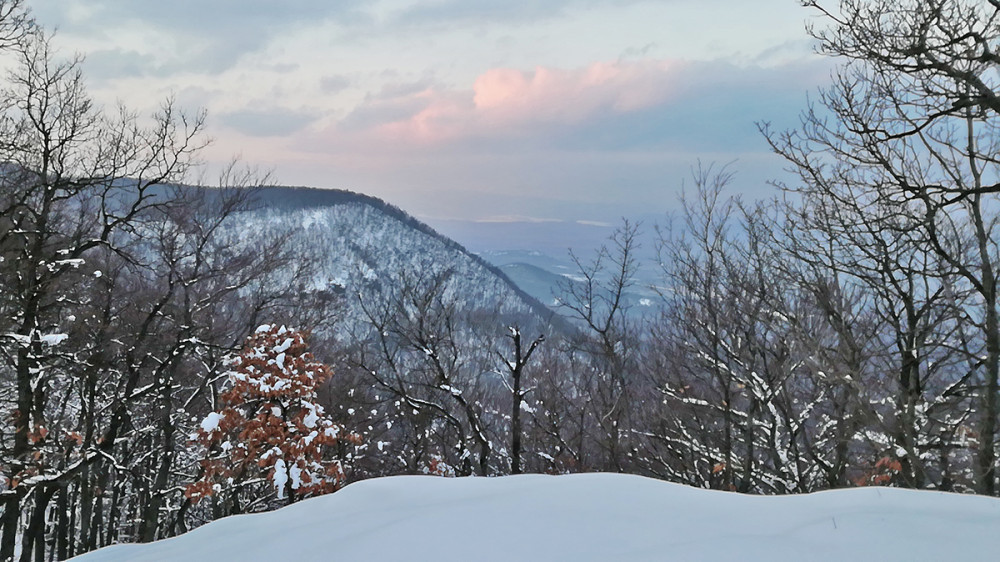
[{"x": 363, "y": 246}]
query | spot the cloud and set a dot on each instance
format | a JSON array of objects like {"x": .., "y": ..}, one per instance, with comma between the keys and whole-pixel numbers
[
  {"x": 398, "y": 105},
  {"x": 334, "y": 84},
  {"x": 714, "y": 106},
  {"x": 568, "y": 96},
  {"x": 617, "y": 105},
  {"x": 209, "y": 15},
  {"x": 282, "y": 68},
  {"x": 193, "y": 35},
  {"x": 114, "y": 63},
  {"x": 511, "y": 103},
  {"x": 447, "y": 12},
  {"x": 594, "y": 142},
  {"x": 268, "y": 121}
]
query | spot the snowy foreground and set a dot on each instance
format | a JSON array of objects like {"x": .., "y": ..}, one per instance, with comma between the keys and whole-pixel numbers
[{"x": 590, "y": 517}]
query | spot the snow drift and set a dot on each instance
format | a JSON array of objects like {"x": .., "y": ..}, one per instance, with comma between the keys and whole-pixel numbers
[{"x": 590, "y": 517}]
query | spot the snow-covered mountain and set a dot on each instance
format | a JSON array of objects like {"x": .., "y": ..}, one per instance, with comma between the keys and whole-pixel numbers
[
  {"x": 363, "y": 245},
  {"x": 589, "y": 517}
]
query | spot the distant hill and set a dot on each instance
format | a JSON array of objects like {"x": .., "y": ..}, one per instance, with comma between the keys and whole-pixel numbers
[
  {"x": 546, "y": 278},
  {"x": 540, "y": 283}
]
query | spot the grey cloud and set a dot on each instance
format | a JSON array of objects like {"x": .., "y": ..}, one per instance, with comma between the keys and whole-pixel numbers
[
  {"x": 393, "y": 102},
  {"x": 494, "y": 10},
  {"x": 374, "y": 113},
  {"x": 637, "y": 52},
  {"x": 232, "y": 28},
  {"x": 334, "y": 84},
  {"x": 792, "y": 48},
  {"x": 116, "y": 63},
  {"x": 283, "y": 68},
  {"x": 717, "y": 109},
  {"x": 396, "y": 101},
  {"x": 248, "y": 16},
  {"x": 395, "y": 90},
  {"x": 271, "y": 122}
]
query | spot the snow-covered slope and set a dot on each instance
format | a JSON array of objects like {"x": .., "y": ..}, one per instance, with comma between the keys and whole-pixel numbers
[
  {"x": 590, "y": 517},
  {"x": 365, "y": 245}
]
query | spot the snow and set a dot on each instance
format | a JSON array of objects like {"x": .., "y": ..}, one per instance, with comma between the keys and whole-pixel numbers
[
  {"x": 280, "y": 477},
  {"x": 296, "y": 474},
  {"x": 53, "y": 339},
  {"x": 20, "y": 339},
  {"x": 284, "y": 345},
  {"x": 590, "y": 517},
  {"x": 75, "y": 263},
  {"x": 312, "y": 416},
  {"x": 211, "y": 422}
]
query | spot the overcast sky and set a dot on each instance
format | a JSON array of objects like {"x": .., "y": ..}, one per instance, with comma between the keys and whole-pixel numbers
[{"x": 482, "y": 109}]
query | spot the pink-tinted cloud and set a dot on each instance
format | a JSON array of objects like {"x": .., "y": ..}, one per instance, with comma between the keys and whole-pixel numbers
[
  {"x": 506, "y": 102},
  {"x": 596, "y": 142},
  {"x": 571, "y": 95}
]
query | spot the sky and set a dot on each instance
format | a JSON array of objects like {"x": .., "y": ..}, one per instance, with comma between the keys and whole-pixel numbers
[{"x": 481, "y": 110}]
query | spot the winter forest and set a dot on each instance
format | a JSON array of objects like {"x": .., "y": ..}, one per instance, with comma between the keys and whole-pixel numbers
[{"x": 162, "y": 366}]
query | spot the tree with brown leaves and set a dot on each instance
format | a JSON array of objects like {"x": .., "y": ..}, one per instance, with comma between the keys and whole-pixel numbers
[{"x": 271, "y": 431}]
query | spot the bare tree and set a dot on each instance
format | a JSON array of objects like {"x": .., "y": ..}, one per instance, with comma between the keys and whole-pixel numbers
[
  {"x": 515, "y": 366},
  {"x": 599, "y": 302},
  {"x": 914, "y": 112},
  {"x": 424, "y": 353}
]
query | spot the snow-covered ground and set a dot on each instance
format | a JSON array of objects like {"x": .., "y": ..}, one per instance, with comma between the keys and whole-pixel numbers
[{"x": 590, "y": 517}]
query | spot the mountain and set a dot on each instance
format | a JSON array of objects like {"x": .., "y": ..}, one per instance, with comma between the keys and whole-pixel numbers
[
  {"x": 589, "y": 517},
  {"x": 364, "y": 246}
]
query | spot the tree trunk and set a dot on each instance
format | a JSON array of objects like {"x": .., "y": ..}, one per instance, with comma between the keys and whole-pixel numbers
[
  {"x": 11, "y": 517},
  {"x": 987, "y": 434},
  {"x": 515, "y": 423},
  {"x": 62, "y": 523},
  {"x": 33, "y": 540}
]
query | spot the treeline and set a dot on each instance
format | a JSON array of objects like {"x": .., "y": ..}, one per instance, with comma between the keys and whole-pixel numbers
[{"x": 845, "y": 333}]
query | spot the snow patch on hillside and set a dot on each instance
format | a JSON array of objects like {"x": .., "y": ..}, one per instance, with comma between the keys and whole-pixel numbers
[{"x": 590, "y": 517}]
